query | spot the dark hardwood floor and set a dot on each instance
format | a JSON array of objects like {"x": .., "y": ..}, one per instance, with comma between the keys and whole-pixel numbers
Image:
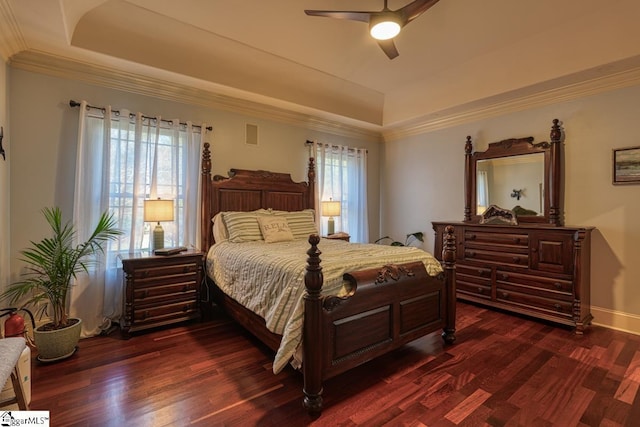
[{"x": 503, "y": 371}]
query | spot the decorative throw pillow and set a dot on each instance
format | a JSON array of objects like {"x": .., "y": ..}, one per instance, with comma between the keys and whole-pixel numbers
[
  {"x": 242, "y": 226},
  {"x": 302, "y": 223},
  {"x": 274, "y": 228}
]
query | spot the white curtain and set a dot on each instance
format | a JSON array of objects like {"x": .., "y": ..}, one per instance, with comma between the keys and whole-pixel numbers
[
  {"x": 122, "y": 160},
  {"x": 342, "y": 176}
]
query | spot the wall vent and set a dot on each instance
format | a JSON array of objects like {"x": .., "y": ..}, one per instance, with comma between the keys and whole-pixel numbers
[{"x": 251, "y": 134}]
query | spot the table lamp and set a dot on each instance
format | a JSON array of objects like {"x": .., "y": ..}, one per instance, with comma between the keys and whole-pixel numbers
[
  {"x": 330, "y": 209},
  {"x": 157, "y": 211}
]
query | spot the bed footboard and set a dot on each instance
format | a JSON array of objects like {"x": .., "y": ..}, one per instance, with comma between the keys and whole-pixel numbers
[{"x": 386, "y": 308}]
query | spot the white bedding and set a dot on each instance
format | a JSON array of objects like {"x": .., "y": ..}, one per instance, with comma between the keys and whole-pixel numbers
[{"x": 268, "y": 278}]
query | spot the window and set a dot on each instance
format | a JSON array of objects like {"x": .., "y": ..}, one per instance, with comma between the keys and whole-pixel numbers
[
  {"x": 122, "y": 160},
  {"x": 342, "y": 176}
]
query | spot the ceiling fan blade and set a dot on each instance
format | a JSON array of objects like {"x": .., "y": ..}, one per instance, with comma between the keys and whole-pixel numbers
[
  {"x": 352, "y": 16},
  {"x": 389, "y": 47},
  {"x": 415, "y": 9}
]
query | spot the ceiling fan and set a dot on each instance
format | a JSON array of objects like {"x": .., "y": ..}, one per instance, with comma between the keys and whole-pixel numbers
[{"x": 383, "y": 25}]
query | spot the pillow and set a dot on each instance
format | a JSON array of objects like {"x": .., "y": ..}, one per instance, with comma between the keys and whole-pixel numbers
[
  {"x": 220, "y": 233},
  {"x": 242, "y": 226},
  {"x": 274, "y": 228},
  {"x": 301, "y": 223}
]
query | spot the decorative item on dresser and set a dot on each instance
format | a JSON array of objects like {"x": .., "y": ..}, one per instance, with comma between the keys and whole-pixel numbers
[
  {"x": 537, "y": 266},
  {"x": 160, "y": 290}
]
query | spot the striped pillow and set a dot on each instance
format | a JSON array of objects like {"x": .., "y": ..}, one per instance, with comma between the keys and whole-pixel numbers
[
  {"x": 301, "y": 223},
  {"x": 243, "y": 226}
]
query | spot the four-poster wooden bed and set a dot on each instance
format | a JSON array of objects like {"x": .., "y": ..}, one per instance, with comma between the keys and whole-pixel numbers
[{"x": 387, "y": 307}]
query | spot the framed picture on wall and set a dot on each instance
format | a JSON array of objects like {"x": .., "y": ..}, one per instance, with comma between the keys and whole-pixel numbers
[{"x": 626, "y": 165}]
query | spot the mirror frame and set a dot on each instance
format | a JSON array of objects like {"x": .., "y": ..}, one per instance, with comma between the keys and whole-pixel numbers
[{"x": 553, "y": 178}]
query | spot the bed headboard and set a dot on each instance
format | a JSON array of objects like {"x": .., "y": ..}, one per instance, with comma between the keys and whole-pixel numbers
[{"x": 248, "y": 190}]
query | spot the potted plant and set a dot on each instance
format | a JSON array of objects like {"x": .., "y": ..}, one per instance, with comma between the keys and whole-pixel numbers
[
  {"x": 52, "y": 264},
  {"x": 411, "y": 237}
]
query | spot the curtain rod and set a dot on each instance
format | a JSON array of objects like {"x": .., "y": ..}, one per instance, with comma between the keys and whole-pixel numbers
[
  {"x": 73, "y": 103},
  {"x": 307, "y": 143}
]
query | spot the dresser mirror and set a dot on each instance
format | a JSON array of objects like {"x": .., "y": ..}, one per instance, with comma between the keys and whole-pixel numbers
[{"x": 516, "y": 174}]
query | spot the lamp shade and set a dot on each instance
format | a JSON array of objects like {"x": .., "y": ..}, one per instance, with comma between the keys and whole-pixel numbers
[
  {"x": 158, "y": 210},
  {"x": 331, "y": 208}
]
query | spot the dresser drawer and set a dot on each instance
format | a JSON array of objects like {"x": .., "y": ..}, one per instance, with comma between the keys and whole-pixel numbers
[
  {"x": 495, "y": 239},
  {"x": 520, "y": 260},
  {"x": 554, "y": 307},
  {"x": 554, "y": 288},
  {"x": 474, "y": 281}
]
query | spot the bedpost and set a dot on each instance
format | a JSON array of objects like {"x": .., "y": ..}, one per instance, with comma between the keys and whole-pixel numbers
[
  {"x": 468, "y": 180},
  {"x": 311, "y": 179},
  {"x": 555, "y": 178},
  {"x": 311, "y": 341},
  {"x": 206, "y": 238},
  {"x": 449, "y": 265}
]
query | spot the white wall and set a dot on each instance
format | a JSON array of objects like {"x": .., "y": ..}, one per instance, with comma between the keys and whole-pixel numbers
[
  {"x": 44, "y": 146},
  {"x": 423, "y": 182}
]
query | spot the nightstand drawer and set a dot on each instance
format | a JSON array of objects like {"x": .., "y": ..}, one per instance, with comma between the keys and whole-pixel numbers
[
  {"x": 168, "y": 270},
  {"x": 165, "y": 311},
  {"x": 152, "y": 293},
  {"x": 153, "y": 282}
]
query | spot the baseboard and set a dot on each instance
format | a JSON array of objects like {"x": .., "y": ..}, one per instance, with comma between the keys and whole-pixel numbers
[{"x": 617, "y": 320}]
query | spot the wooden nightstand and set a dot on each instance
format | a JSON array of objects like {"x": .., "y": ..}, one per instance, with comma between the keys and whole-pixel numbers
[
  {"x": 160, "y": 290},
  {"x": 339, "y": 236}
]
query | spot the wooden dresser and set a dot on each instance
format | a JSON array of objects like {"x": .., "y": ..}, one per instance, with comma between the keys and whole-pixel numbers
[
  {"x": 514, "y": 252},
  {"x": 160, "y": 290},
  {"x": 535, "y": 270}
]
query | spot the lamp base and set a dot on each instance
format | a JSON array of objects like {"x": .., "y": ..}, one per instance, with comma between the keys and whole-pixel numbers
[
  {"x": 158, "y": 238},
  {"x": 330, "y": 226}
]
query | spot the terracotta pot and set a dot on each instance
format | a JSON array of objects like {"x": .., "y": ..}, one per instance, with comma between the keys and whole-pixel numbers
[{"x": 57, "y": 344}]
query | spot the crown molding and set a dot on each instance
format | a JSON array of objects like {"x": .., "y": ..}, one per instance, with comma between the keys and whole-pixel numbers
[
  {"x": 11, "y": 38},
  {"x": 591, "y": 82},
  {"x": 547, "y": 93},
  {"x": 111, "y": 77}
]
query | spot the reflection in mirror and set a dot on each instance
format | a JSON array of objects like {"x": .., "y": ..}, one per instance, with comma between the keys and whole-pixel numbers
[{"x": 514, "y": 183}]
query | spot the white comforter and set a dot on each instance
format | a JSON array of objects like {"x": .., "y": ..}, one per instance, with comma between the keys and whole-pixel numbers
[{"x": 268, "y": 278}]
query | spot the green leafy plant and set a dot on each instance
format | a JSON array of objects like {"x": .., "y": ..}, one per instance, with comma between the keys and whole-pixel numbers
[
  {"x": 54, "y": 261},
  {"x": 411, "y": 237}
]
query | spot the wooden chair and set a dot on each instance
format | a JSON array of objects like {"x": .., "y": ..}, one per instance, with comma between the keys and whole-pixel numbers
[{"x": 10, "y": 351}]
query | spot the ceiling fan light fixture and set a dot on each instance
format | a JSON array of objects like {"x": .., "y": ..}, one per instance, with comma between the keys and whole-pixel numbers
[{"x": 385, "y": 27}]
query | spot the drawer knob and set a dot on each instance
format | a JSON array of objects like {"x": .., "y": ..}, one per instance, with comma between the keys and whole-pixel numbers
[
  {"x": 145, "y": 293},
  {"x": 505, "y": 276},
  {"x": 479, "y": 290},
  {"x": 185, "y": 269},
  {"x": 505, "y": 295},
  {"x": 145, "y": 273},
  {"x": 516, "y": 259},
  {"x": 186, "y": 307},
  {"x": 516, "y": 240},
  {"x": 480, "y": 272},
  {"x": 557, "y": 306},
  {"x": 185, "y": 288},
  {"x": 558, "y": 285},
  {"x": 472, "y": 236},
  {"x": 534, "y": 250}
]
